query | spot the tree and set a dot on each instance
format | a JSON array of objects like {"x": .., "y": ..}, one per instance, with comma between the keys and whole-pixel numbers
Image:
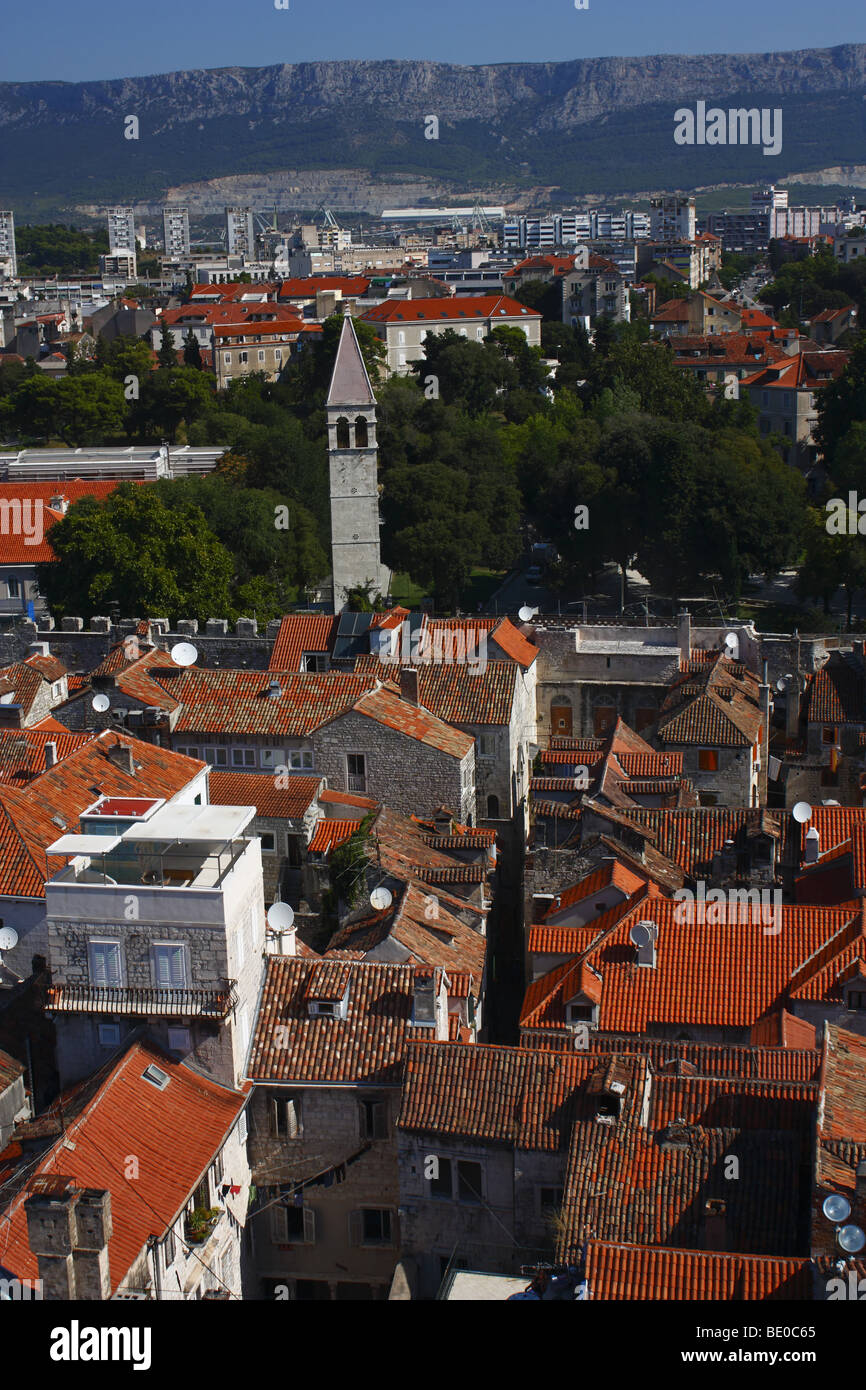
[
  {"x": 166, "y": 355},
  {"x": 191, "y": 351},
  {"x": 841, "y": 404},
  {"x": 133, "y": 549},
  {"x": 90, "y": 408},
  {"x": 831, "y": 562}
]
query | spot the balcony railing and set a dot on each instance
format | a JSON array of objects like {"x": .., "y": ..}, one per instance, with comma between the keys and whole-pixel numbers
[{"x": 142, "y": 1000}]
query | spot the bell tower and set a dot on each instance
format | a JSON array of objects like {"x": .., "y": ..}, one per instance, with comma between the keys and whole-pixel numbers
[{"x": 352, "y": 452}]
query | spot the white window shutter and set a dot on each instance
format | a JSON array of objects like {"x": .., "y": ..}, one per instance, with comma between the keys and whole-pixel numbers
[{"x": 309, "y": 1226}]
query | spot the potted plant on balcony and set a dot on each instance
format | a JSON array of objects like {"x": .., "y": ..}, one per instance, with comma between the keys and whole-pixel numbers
[{"x": 200, "y": 1223}]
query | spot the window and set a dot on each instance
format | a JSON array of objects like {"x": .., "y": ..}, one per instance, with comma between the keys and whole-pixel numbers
[
  {"x": 109, "y": 1035},
  {"x": 286, "y": 1116},
  {"x": 441, "y": 1182},
  {"x": 269, "y": 845},
  {"x": 278, "y": 354},
  {"x": 828, "y": 735},
  {"x": 314, "y": 661},
  {"x": 243, "y": 757},
  {"x": 356, "y": 772},
  {"x": 218, "y": 756},
  {"x": 293, "y": 1225},
  {"x": 375, "y": 1226},
  {"x": 179, "y": 1040},
  {"x": 343, "y": 441},
  {"x": 492, "y": 807},
  {"x": 856, "y": 999},
  {"x": 301, "y": 759},
  {"x": 243, "y": 357},
  {"x": 580, "y": 1013},
  {"x": 169, "y": 965},
  {"x": 361, "y": 433},
  {"x": 188, "y": 752},
  {"x": 261, "y": 354},
  {"x": 468, "y": 1181},
  {"x": 227, "y": 358},
  {"x": 168, "y": 1248},
  {"x": 485, "y": 746},
  {"x": 272, "y": 757},
  {"x": 708, "y": 760},
  {"x": 105, "y": 963},
  {"x": 373, "y": 1116}
]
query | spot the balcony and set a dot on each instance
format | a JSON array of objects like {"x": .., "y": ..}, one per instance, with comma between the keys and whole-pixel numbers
[{"x": 143, "y": 1000}]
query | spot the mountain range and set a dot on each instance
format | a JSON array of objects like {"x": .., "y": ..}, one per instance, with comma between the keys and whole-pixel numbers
[{"x": 352, "y": 133}]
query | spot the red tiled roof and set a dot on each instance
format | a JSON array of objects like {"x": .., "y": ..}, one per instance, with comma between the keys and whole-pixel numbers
[
  {"x": 838, "y": 694},
  {"x": 486, "y": 306},
  {"x": 260, "y": 790},
  {"x": 233, "y": 702},
  {"x": 610, "y": 873},
  {"x": 306, "y": 287},
  {"x": 174, "y": 1133},
  {"x": 330, "y": 797},
  {"x": 22, "y": 751},
  {"x": 330, "y": 833},
  {"x": 386, "y": 707},
  {"x": 639, "y": 1272},
  {"x": 744, "y": 972},
  {"x": 299, "y": 633},
  {"x": 364, "y": 1048}
]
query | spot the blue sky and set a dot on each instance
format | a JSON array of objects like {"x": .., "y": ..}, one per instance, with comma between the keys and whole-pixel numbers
[{"x": 73, "y": 40}]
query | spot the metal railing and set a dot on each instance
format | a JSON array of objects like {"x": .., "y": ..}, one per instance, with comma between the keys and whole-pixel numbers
[{"x": 142, "y": 1000}]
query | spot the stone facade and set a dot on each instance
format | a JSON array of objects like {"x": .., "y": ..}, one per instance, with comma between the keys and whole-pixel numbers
[
  {"x": 406, "y": 774},
  {"x": 326, "y": 1255}
]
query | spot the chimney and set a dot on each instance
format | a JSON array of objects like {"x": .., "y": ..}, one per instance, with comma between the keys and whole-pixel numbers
[
  {"x": 275, "y": 690},
  {"x": 121, "y": 755},
  {"x": 792, "y": 706},
  {"x": 51, "y": 1234},
  {"x": 715, "y": 1224},
  {"x": 813, "y": 846},
  {"x": 409, "y": 684},
  {"x": 643, "y": 936},
  {"x": 93, "y": 1232},
  {"x": 50, "y": 753},
  {"x": 443, "y": 819},
  {"x": 39, "y": 649},
  {"x": 684, "y": 634}
]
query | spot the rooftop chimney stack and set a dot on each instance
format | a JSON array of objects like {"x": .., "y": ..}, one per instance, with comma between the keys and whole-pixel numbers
[
  {"x": 813, "y": 846},
  {"x": 68, "y": 1230},
  {"x": 121, "y": 756},
  {"x": 409, "y": 684},
  {"x": 50, "y": 753}
]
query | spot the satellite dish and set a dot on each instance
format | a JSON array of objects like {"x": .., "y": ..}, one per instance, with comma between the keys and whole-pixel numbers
[
  {"x": 732, "y": 644},
  {"x": 184, "y": 654},
  {"x": 8, "y": 698},
  {"x": 8, "y": 938},
  {"x": 100, "y": 703},
  {"x": 780, "y": 685},
  {"x": 852, "y": 1239},
  {"x": 525, "y": 613},
  {"x": 280, "y": 917},
  {"x": 836, "y": 1208},
  {"x": 380, "y": 898},
  {"x": 640, "y": 934},
  {"x": 802, "y": 812}
]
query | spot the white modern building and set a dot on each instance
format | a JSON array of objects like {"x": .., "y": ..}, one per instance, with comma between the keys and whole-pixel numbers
[
  {"x": 240, "y": 233},
  {"x": 8, "y": 258},
  {"x": 672, "y": 218},
  {"x": 175, "y": 231}
]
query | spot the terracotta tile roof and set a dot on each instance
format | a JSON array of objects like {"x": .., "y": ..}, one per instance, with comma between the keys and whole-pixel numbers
[
  {"x": 784, "y": 1030},
  {"x": 175, "y": 1133},
  {"x": 461, "y": 694},
  {"x": 514, "y": 643},
  {"x": 675, "y": 311},
  {"x": 10, "y": 1071},
  {"x": 23, "y": 682},
  {"x": 329, "y": 797},
  {"x": 744, "y": 972},
  {"x": 457, "y": 873},
  {"x": 22, "y": 751},
  {"x": 331, "y": 833},
  {"x": 495, "y": 1095},
  {"x": 671, "y": 1057},
  {"x": 260, "y": 790},
  {"x": 609, "y": 874},
  {"x": 306, "y": 287},
  {"x": 571, "y": 757},
  {"x": 653, "y": 1187},
  {"x": 838, "y": 694},
  {"x": 469, "y": 839},
  {"x": 716, "y": 704},
  {"x": 727, "y": 1102},
  {"x": 385, "y": 706},
  {"x": 233, "y": 702},
  {"x": 639, "y": 1272},
  {"x": 365, "y": 1048},
  {"x": 840, "y": 1143},
  {"x": 555, "y": 809},
  {"x": 51, "y": 667},
  {"x": 690, "y": 836},
  {"x": 443, "y": 940},
  {"x": 486, "y": 306},
  {"x": 299, "y": 633},
  {"x": 150, "y": 678}
]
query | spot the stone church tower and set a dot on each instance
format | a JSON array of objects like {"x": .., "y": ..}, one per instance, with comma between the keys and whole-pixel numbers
[{"x": 352, "y": 449}]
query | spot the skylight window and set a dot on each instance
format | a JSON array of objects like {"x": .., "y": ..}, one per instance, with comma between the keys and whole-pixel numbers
[{"x": 156, "y": 1076}]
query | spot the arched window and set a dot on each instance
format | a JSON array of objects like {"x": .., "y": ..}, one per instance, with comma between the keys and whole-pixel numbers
[
  {"x": 493, "y": 807},
  {"x": 343, "y": 441},
  {"x": 360, "y": 432}
]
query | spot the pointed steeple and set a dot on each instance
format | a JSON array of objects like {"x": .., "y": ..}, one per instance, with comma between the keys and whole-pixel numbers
[{"x": 350, "y": 384}]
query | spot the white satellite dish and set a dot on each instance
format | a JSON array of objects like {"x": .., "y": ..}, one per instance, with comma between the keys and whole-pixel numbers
[
  {"x": 184, "y": 654},
  {"x": 836, "y": 1208},
  {"x": 852, "y": 1239},
  {"x": 780, "y": 685},
  {"x": 380, "y": 898},
  {"x": 8, "y": 698},
  {"x": 732, "y": 644},
  {"x": 100, "y": 703},
  {"x": 525, "y": 613},
  {"x": 280, "y": 917},
  {"x": 802, "y": 812},
  {"x": 640, "y": 934},
  {"x": 8, "y": 938}
]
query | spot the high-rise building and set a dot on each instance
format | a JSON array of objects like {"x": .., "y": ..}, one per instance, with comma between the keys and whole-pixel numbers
[
  {"x": 175, "y": 229},
  {"x": 352, "y": 448},
  {"x": 672, "y": 218},
  {"x": 8, "y": 258},
  {"x": 121, "y": 230},
  {"x": 240, "y": 233}
]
